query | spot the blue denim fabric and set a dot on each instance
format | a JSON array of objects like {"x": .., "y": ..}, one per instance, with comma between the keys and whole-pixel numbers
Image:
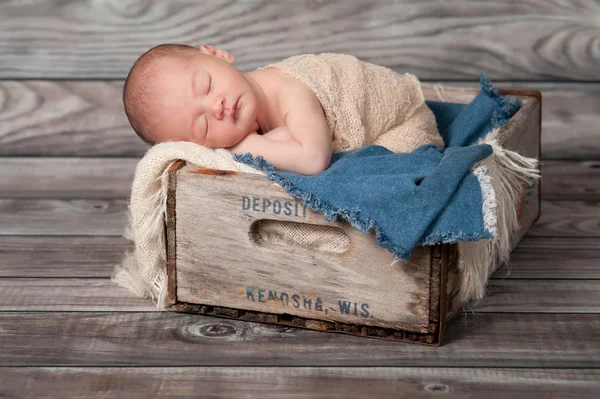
[{"x": 425, "y": 197}]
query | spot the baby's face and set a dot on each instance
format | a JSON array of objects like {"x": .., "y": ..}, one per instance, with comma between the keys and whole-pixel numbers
[{"x": 203, "y": 99}]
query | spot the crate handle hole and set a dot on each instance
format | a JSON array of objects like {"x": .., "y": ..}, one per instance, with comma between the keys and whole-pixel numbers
[{"x": 305, "y": 235}]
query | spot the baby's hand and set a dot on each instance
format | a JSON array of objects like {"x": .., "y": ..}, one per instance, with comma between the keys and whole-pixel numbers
[{"x": 244, "y": 145}]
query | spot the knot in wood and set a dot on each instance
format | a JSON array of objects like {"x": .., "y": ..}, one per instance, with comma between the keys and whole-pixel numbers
[
  {"x": 437, "y": 387},
  {"x": 216, "y": 330}
]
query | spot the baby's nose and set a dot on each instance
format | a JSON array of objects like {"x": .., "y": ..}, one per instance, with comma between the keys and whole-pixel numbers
[{"x": 219, "y": 108}]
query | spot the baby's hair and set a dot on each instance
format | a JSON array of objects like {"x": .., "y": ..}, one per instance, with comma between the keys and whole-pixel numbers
[{"x": 137, "y": 90}]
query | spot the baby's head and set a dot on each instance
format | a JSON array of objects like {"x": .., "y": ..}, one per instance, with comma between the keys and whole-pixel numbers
[{"x": 183, "y": 93}]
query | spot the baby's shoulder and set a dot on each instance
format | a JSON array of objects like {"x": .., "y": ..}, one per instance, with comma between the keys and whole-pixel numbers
[{"x": 291, "y": 92}]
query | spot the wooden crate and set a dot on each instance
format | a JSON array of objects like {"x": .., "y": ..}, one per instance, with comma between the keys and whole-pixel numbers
[{"x": 216, "y": 267}]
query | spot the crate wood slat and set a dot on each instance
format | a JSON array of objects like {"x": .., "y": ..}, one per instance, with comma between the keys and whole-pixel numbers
[
  {"x": 219, "y": 268},
  {"x": 312, "y": 382},
  {"x": 175, "y": 339}
]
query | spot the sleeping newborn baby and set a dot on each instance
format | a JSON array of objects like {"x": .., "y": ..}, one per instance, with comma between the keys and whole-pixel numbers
[{"x": 294, "y": 113}]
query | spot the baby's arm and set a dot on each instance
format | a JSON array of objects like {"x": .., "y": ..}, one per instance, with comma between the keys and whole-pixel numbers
[
  {"x": 308, "y": 150},
  {"x": 278, "y": 135},
  {"x": 288, "y": 155}
]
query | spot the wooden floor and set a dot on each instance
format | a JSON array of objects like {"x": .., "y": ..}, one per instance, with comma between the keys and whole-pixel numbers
[
  {"x": 65, "y": 326},
  {"x": 67, "y": 157}
]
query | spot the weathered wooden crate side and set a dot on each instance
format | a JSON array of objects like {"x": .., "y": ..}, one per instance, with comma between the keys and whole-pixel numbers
[
  {"x": 190, "y": 278},
  {"x": 215, "y": 268},
  {"x": 218, "y": 264}
]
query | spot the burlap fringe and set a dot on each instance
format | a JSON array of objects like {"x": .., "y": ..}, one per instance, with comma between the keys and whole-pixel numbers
[
  {"x": 501, "y": 177},
  {"x": 131, "y": 273}
]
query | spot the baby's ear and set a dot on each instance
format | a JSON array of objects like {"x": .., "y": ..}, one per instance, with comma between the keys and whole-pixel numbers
[{"x": 222, "y": 54}]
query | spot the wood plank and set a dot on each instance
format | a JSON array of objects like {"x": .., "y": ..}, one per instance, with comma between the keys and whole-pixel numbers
[
  {"x": 567, "y": 219},
  {"x": 569, "y": 120},
  {"x": 553, "y": 258},
  {"x": 311, "y": 382},
  {"x": 95, "y": 257},
  {"x": 56, "y": 256},
  {"x": 68, "y": 294},
  {"x": 67, "y": 178},
  {"x": 540, "y": 296},
  {"x": 60, "y": 217},
  {"x": 169, "y": 339},
  {"x": 95, "y": 295},
  {"x": 455, "y": 39},
  {"x": 86, "y": 118},
  {"x": 96, "y": 177},
  {"x": 566, "y": 180}
]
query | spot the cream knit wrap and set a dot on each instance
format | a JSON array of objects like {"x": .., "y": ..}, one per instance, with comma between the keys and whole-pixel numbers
[{"x": 364, "y": 104}]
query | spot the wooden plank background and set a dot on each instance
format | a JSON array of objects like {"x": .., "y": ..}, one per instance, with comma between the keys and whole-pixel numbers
[
  {"x": 67, "y": 159},
  {"x": 308, "y": 382},
  {"x": 530, "y": 40}
]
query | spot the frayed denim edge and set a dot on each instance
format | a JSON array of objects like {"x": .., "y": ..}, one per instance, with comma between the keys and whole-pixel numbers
[
  {"x": 506, "y": 109},
  {"x": 352, "y": 216}
]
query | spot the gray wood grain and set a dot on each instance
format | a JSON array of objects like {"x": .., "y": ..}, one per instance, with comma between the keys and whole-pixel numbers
[
  {"x": 569, "y": 120},
  {"x": 58, "y": 217},
  {"x": 164, "y": 338},
  {"x": 553, "y": 257},
  {"x": 565, "y": 180},
  {"x": 62, "y": 217},
  {"x": 540, "y": 296},
  {"x": 86, "y": 118},
  {"x": 567, "y": 218},
  {"x": 65, "y": 118},
  {"x": 94, "y": 295},
  {"x": 305, "y": 382},
  {"x": 56, "y": 256},
  {"x": 454, "y": 39},
  {"x": 95, "y": 257},
  {"x": 66, "y": 178},
  {"x": 111, "y": 178},
  {"x": 68, "y": 294}
]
